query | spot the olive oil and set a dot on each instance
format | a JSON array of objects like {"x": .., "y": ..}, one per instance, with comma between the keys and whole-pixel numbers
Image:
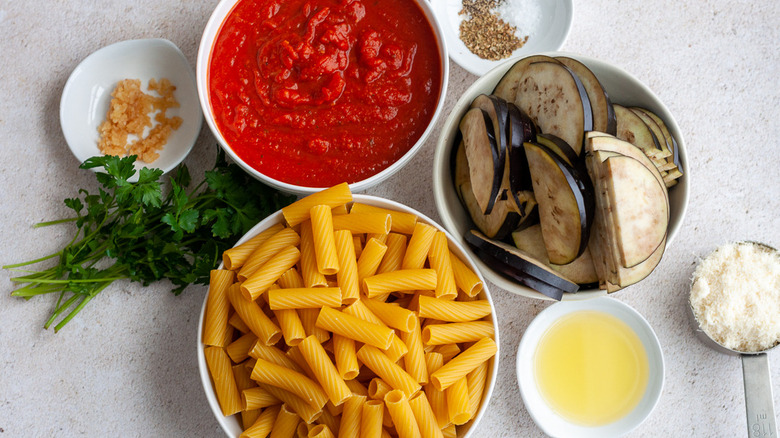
[{"x": 591, "y": 368}]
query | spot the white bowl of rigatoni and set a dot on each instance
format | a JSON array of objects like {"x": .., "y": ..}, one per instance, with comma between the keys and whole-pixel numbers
[{"x": 344, "y": 315}]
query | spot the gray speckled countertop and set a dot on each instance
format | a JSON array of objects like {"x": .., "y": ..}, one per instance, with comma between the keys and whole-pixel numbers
[{"x": 126, "y": 365}]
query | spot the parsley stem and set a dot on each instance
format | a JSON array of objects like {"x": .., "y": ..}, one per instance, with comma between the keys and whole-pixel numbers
[
  {"x": 61, "y": 221},
  {"x": 31, "y": 262}
]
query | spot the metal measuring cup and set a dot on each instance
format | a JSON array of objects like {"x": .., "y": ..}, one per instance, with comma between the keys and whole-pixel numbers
[{"x": 759, "y": 402}]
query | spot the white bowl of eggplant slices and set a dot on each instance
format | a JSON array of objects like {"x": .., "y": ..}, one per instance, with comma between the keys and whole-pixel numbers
[{"x": 565, "y": 176}]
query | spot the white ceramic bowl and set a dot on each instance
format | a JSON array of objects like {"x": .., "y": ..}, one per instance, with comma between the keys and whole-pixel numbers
[
  {"x": 622, "y": 88},
  {"x": 548, "y": 35},
  {"x": 551, "y": 422},
  {"x": 87, "y": 95},
  {"x": 231, "y": 425},
  {"x": 202, "y": 74}
]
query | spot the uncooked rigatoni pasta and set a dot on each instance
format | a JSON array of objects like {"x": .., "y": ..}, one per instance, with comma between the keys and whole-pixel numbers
[
  {"x": 312, "y": 277},
  {"x": 324, "y": 370},
  {"x": 439, "y": 258},
  {"x": 403, "y": 418},
  {"x": 347, "y": 277},
  {"x": 457, "y": 332},
  {"x": 267, "y": 274},
  {"x": 465, "y": 278},
  {"x": 304, "y": 298},
  {"x": 235, "y": 257},
  {"x": 298, "y": 211},
  {"x": 221, "y": 372},
  {"x": 324, "y": 242},
  {"x": 258, "y": 398},
  {"x": 291, "y": 342},
  {"x": 464, "y": 363},
  {"x": 419, "y": 245},
  {"x": 400, "y": 280},
  {"x": 291, "y": 381},
  {"x": 345, "y": 355},
  {"x": 401, "y": 222},
  {"x": 423, "y": 413},
  {"x": 260, "y": 324},
  {"x": 370, "y": 258},
  {"x": 458, "y": 401},
  {"x": 453, "y": 311},
  {"x": 355, "y": 328},
  {"x": 389, "y": 371},
  {"x": 283, "y": 238},
  {"x": 376, "y": 223},
  {"x": 349, "y": 426},
  {"x": 215, "y": 322}
]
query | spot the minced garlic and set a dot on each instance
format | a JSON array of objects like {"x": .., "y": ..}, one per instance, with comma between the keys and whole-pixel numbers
[{"x": 130, "y": 114}]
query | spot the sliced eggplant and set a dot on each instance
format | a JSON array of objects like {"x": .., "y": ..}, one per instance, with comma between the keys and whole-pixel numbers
[
  {"x": 640, "y": 209},
  {"x": 580, "y": 271},
  {"x": 604, "y": 119},
  {"x": 563, "y": 213},
  {"x": 520, "y": 129},
  {"x": 555, "y": 99},
  {"x": 504, "y": 268},
  {"x": 520, "y": 261},
  {"x": 507, "y": 86},
  {"x": 605, "y": 245},
  {"x": 671, "y": 143},
  {"x": 460, "y": 172},
  {"x": 595, "y": 142},
  {"x": 498, "y": 112},
  {"x": 498, "y": 224},
  {"x": 560, "y": 147},
  {"x": 632, "y": 129},
  {"x": 659, "y": 136},
  {"x": 486, "y": 167}
]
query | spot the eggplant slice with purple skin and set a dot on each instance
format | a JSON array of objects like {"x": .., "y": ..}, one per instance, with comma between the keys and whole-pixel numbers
[
  {"x": 520, "y": 129},
  {"x": 501, "y": 221},
  {"x": 520, "y": 277},
  {"x": 581, "y": 270},
  {"x": 560, "y": 147},
  {"x": 519, "y": 263},
  {"x": 486, "y": 167},
  {"x": 604, "y": 119},
  {"x": 566, "y": 207},
  {"x": 507, "y": 85},
  {"x": 555, "y": 99},
  {"x": 632, "y": 129}
]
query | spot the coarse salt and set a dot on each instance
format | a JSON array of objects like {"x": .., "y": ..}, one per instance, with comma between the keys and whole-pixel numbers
[{"x": 525, "y": 15}]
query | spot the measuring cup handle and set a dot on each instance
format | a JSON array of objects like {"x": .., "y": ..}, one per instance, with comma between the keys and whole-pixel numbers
[{"x": 758, "y": 396}]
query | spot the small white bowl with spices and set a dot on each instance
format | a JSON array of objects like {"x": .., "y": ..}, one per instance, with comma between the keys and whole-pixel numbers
[
  {"x": 87, "y": 97},
  {"x": 483, "y": 33}
]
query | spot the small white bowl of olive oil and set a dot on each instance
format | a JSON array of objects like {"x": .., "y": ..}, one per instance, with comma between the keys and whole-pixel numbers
[{"x": 589, "y": 369}]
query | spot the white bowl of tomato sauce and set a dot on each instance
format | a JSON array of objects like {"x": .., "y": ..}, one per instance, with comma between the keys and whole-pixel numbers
[{"x": 307, "y": 94}]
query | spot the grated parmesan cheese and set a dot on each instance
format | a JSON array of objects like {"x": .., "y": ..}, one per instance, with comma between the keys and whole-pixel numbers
[{"x": 735, "y": 296}]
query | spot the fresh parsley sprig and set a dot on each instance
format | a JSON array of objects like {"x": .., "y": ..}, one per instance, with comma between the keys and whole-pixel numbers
[{"x": 132, "y": 230}]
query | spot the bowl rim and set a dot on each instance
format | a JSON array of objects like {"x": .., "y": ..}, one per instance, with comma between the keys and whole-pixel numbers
[
  {"x": 227, "y": 425},
  {"x": 441, "y": 171},
  {"x": 139, "y": 45},
  {"x": 210, "y": 32},
  {"x": 544, "y": 416}
]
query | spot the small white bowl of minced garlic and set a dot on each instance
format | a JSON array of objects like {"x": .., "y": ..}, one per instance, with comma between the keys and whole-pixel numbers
[
  {"x": 482, "y": 34},
  {"x": 134, "y": 97}
]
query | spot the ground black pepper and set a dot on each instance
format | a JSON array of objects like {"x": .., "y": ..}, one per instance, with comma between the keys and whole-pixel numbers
[{"x": 485, "y": 34}]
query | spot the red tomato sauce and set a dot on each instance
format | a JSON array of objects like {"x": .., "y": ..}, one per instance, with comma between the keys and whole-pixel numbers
[{"x": 319, "y": 92}]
